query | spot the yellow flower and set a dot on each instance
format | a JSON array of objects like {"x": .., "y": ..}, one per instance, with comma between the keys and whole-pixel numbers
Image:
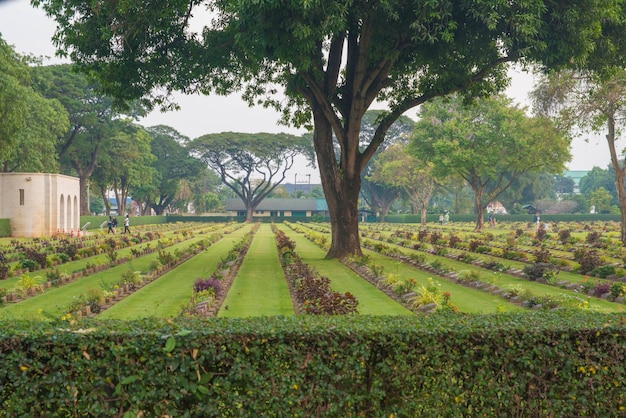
[
  {"x": 295, "y": 387},
  {"x": 39, "y": 311},
  {"x": 23, "y": 368}
]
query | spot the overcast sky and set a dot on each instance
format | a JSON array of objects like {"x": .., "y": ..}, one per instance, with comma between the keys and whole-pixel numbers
[{"x": 29, "y": 31}]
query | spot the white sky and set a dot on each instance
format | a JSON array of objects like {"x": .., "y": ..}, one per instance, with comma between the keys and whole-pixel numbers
[{"x": 29, "y": 30}]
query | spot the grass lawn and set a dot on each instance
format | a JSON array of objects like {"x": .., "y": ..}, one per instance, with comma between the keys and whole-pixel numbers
[
  {"x": 78, "y": 265},
  {"x": 55, "y": 300},
  {"x": 503, "y": 280},
  {"x": 466, "y": 299},
  {"x": 164, "y": 297},
  {"x": 260, "y": 288},
  {"x": 371, "y": 300}
]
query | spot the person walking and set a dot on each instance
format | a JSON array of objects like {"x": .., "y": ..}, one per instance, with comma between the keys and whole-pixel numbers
[
  {"x": 537, "y": 220},
  {"x": 115, "y": 224},
  {"x": 126, "y": 225},
  {"x": 110, "y": 224}
]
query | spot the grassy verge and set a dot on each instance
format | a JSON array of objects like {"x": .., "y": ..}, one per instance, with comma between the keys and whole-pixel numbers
[
  {"x": 371, "y": 300},
  {"x": 54, "y": 301},
  {"x": 466, "y": 299},
  {"x": 503, "y": 280},
  {"x": 260, "y": 288},
  {"x": 164, "y": 297}
]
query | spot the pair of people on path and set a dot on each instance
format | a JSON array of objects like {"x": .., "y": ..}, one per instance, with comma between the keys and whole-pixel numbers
[{"x": 113, "y": 225}]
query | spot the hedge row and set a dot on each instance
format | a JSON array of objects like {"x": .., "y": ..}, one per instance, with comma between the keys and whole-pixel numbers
[
  {"x": 470, "y": 217},
  {"x": 5, "y": 227},
  {"x": 531, "y": 364},
  {"x": 96, "y": 221}
]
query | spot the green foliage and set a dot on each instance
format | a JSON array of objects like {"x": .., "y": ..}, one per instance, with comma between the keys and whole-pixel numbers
[
  {"x": 588, "y": 260},
  {"x": 5, "y": 228},
  {"x": 330, "y": 366},
  {"x": 28, "y": 282},
  {"x": 537, "y": 271},
  {"x": 474, "y": 142}
]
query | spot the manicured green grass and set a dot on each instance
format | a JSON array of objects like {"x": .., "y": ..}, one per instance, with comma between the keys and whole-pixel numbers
[
  {"x": 372, "y": 301},
  {"x": 465, "y": 299},
  {"x": 260, "y": 288},
  {"x": 78, "y": 265},
  {"x": 55, "y": 300},
  {"x": 164, "y": 297},
  {"x": 503, "y": 280}
]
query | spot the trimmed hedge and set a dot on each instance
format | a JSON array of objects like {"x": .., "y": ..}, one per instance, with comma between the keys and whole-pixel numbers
[
  {"x": 566, "y": 217},
  {"x": 531, "y": 364},
  {"x": 5, "y": 227},
  {"x": 96, "y": 221},
  {"x": 225, "y": 218}
]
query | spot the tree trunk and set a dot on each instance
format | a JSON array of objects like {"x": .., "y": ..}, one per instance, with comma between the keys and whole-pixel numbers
[
  {"x": 84, "y": 205},
  {"x": 107, "y": 202},
  {"x": 249, "y": 211},
  {"x": 620, "y": 176},
  {"x": 341, "y": 188},
  {"x": 480, "y": 211},
  {"x": 423, "y": 214},
  {"x": 385, "y": 210}
]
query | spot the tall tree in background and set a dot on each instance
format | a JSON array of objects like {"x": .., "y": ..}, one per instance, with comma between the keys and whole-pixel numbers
[
  {"x": 590, "y": 101},
  {"x": 396, "y": 169},
  {"x": 334, "y": 58},
  {"x": 125, "y": 163},
  {"x": 488, "y": 144},
  {"x": 29, "y": 123},
  {"x": 172, "y": 164},
  {"x": 378, "y": 194},
  {"x": 599, "y": 178},
  {"x": 251, "y": 165},
  {"x": 92, "y": 121}
]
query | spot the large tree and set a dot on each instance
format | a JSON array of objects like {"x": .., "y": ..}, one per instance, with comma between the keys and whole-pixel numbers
[
  {"x": 397, "y": 169},
  {"x": 172, "y": 164},
  {"x": 590, "y": 101},
  {"x": 489, "y": 144},
  {"x": 251, "y": 165},
  {"x": 29, "y": 123},
  {"x": 125, "y": 163},
  {"x": 333, "y": 58},
  {"x": 92, "y": 121}
]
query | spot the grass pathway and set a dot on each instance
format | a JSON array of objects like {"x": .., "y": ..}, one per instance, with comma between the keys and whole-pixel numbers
[
  {"x": 164, "y": 297},
  {"x": 260, "y": 288},
  {"x": 371, "y": 300}
]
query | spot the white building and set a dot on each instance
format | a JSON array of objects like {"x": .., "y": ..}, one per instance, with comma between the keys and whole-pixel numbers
[{"x": 40, "y": 204}]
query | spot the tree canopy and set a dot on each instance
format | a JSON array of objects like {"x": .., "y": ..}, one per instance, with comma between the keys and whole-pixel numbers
[
  {"x": 331, "y": 59},
  {"x": 172, "y": 164},
  {"x": 489, "y": 144},
  {"x": 590, "y": 101},
  {"x": 30, "y": 123},
  {"x": 92, "y": 116},
  {"x": 251, "y": 165}
]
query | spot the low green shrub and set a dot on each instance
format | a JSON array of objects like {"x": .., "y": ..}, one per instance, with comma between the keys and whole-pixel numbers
[{"x": 522, "y": 364}]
